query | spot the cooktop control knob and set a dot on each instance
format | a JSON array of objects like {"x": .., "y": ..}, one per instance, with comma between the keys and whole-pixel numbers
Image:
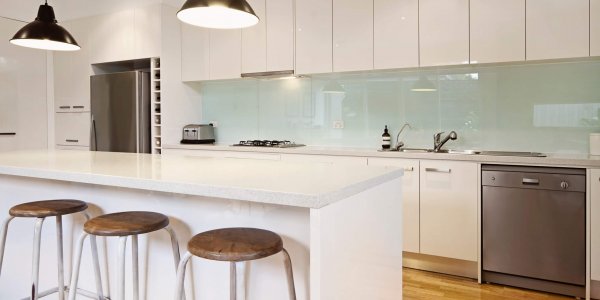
[{"x": 564, "y": 185}]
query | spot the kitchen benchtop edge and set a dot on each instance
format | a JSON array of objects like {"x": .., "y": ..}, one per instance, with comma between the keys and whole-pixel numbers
[{"x": 552, "y": 159}]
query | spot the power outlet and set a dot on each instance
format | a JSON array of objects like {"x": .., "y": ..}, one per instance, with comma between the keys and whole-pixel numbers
[{"x": 338, "y": 124}]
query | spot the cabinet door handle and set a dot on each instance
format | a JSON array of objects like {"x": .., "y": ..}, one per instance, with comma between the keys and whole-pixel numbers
[
  {"x": 8, "y": 133},
  {"x": 409, "y": 169},
  {"x": 71, "y": 141},
  {"x": 64, "y": 107},
  {"x": 78, "y": 106},
  {"x": 437, "y": 170}
]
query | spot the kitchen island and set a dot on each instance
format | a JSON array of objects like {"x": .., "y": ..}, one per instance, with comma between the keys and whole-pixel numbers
[{"x": 341, "y": 224}]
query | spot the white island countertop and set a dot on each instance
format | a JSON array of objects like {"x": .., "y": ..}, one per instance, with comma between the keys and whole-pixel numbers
[{"x": 310, "y": 185}]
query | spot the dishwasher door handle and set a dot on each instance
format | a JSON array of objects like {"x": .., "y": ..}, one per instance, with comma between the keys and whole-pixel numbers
[{"x": 531, "y": 181}]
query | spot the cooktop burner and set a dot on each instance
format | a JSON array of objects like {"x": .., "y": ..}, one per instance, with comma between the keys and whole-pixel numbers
[{"x": 267, "y": 143}]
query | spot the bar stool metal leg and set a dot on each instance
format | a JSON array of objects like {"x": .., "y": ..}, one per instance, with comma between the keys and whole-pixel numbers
[
  {"x": 175, "y": 246},
  {"x": 3, "y": 239},
  {"x": 59, "y": 254},
  {"x": 121, "y": 266},
  {"x": 76, "y": 267},
  {"x": 135, "y": 267},
  {"x": 35, "y": 270},
  {"x": 232, "y": 281},
  {"x": 179, "y": 287},
  {"x": 96, "y": 262},
  {"x": 290, "y": 275}
]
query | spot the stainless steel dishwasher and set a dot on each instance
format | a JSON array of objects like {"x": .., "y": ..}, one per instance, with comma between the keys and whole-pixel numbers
[{"x": 533, "y": 228}]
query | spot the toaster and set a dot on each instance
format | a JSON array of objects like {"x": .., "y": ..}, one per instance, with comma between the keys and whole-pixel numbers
[{"x": 198, "y": 134}]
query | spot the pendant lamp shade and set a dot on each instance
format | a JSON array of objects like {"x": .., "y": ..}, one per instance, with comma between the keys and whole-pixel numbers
[
  {"x": 218, "y": 14},
  {"x": 45, "y": 33}
]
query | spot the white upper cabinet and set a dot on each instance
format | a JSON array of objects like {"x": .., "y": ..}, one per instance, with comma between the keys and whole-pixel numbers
[
  {"x": 595, "y": 27},
  {"x": 396, "y": 34},
  {"x": 497, "y": 31},
  {"x": 225, "y": 54},
  {"x": 557, "y": 29},
  {"x": 352, "y": 35},
  {"x": 72, "y": 71},
  {"x": 444, "y": 32},
  {"x": 280, "y": 35},
  {"x": 254, "y": 41},
  {"x": 314, "y": 36},
  {"x": 147, "y": 31},
  {"x": 449, "y": 209},
  {"x": 112, "y": 37},
  {"x": 195, "y": 58},
  {"x": 269, "y": 45},
  {"x": 125, "y": 35}
]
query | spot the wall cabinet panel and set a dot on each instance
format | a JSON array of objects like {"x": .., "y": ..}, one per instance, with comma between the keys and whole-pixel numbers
[
  {"x": 254, "y": 41},
  {"x": 352, "y": 35},
  {"x": 314, "y": 38},
  {"x": 595, "y": 27},
  {"x": 195, "y": 48},
  {"x": 396, "y": 34},
  {"x": 557, "y": 29},
  {"x": 225, "y": 54},
  {"x": 497, "y": 31},
  {"x": 444, "y": 32},
  {"x": 280, "y": 35}
]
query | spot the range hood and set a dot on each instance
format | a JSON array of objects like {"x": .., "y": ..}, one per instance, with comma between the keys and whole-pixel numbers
[{"x": 269, "y": 74}]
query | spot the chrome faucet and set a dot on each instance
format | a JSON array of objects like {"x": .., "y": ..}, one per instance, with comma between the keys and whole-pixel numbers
[
  {"x": 399, "y": 143},
  {"x": 438, "y": 142}
]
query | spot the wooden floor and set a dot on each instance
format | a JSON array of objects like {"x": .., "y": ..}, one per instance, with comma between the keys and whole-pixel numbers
[{"x": 420, "y": 285}]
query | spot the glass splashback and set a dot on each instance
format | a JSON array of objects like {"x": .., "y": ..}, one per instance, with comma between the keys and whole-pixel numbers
[{"x": 549, "y": 107}]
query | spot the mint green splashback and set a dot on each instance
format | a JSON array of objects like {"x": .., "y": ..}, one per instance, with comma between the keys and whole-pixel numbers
[{"x": 549, "y": 107}]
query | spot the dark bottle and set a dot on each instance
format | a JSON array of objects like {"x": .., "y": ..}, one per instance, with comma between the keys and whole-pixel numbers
[{"x": 386, "y": 139}]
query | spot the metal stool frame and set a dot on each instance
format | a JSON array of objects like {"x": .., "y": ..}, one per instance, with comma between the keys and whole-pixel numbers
[
  {"x": 121, "y": 264},
  {"x": 61, "y": 288},
  {"x": 179, "y": 290}
]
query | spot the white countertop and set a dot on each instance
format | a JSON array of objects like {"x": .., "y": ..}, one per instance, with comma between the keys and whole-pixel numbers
[
  {"x": 552, "y": 159},
  {"x": 310, "y": 185}
]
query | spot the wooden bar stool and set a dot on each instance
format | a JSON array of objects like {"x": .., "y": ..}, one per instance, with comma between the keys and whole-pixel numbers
[
  {"x": 122, "y": 225},
  {"x": 235, "y": 245},
  {"x": 42, "y": 210}
]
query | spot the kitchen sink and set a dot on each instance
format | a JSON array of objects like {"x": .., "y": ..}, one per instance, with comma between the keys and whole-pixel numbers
[{"x": 470, "y": 152}]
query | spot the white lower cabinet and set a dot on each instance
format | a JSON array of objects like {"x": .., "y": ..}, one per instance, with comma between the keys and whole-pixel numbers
[
  {"x": 449, "y": 209},
  {"x": 330, "y": 159},
  {"x": 595, "y": 220},
  {"x": 72, "y": 129},
  {"x": 410, "y": 199}
]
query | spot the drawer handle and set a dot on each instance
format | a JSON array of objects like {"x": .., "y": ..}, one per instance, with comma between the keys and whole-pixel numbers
[
  {"x": 78, "y": 106},
  {"x": 64, "y": 107},
  {"x": 437, "y": 170},
  {"x": 409, "y": 169},
  {"x": 71, "y": 141},
  {"x": 531, "y": 181}
]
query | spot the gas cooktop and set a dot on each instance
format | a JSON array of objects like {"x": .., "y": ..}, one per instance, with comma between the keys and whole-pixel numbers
[{"x": 267, "y": 143}]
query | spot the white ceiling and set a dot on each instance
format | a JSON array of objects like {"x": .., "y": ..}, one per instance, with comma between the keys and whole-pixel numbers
[{"x": 26, "y": 10}]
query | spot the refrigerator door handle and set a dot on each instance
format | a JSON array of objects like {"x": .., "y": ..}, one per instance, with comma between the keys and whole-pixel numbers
[{"x": 94, "y": 144}]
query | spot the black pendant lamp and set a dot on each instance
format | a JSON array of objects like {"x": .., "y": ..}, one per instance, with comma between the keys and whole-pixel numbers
[
  {"x": 45, "y": 33},
  {"x": 219, "y": 14}
]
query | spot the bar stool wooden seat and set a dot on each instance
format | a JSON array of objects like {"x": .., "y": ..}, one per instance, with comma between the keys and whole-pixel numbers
[
  {"x": 235, "y": 245},
  {"x": 42, "y": 210},
  {"x": 122, "y": 225}
]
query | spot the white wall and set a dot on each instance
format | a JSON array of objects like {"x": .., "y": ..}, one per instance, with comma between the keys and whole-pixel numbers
[{"x": 23, "y": 93}]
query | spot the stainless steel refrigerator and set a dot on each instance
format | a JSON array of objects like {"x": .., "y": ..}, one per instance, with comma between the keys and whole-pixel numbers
[{"x": 120, "y": 112}]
